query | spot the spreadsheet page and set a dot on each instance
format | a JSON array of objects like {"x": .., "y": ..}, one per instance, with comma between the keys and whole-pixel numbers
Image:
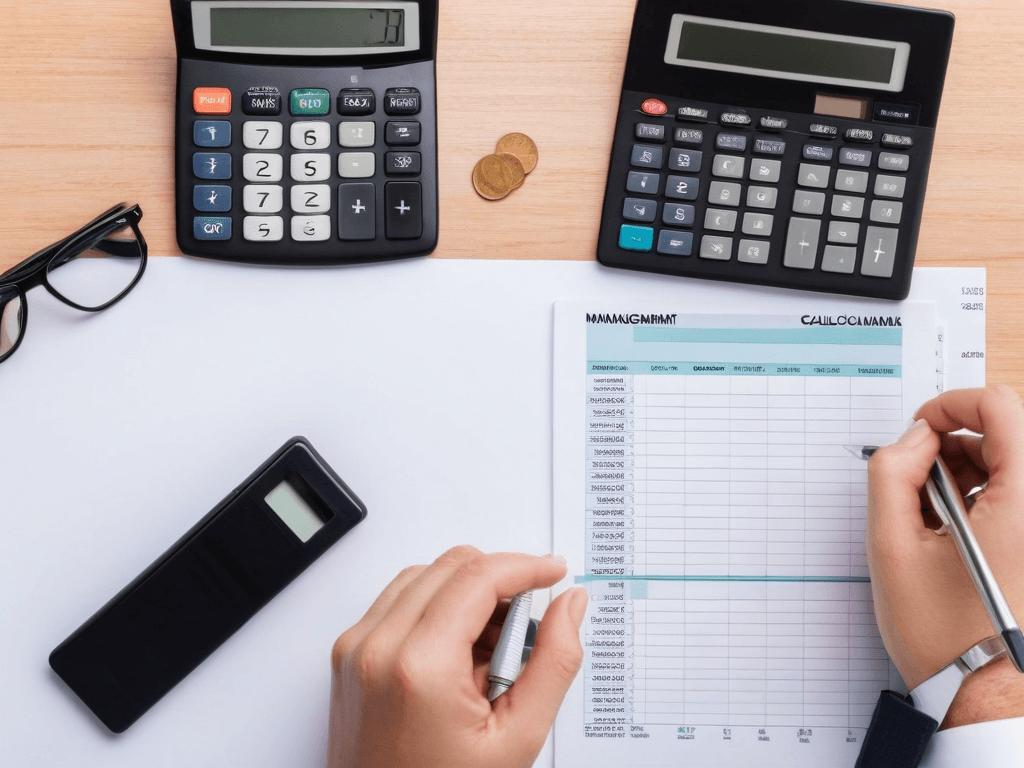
[{"x": 705, "y": 496}]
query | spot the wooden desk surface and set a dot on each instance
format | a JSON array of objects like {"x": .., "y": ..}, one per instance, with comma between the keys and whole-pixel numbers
[{"x": 88, "y": 104}]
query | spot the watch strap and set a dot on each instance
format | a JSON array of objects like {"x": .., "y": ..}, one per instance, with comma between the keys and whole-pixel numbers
[{"x": 897, "y": 735}]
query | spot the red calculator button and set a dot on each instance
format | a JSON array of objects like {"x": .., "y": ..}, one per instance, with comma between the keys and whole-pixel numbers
[
  {"x": 654, "y": 107},
  {"x": 211, "y": 101}
]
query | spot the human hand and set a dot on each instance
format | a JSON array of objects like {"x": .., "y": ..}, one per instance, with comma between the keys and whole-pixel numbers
[
  {"x": 927, "y": 607},
  {"x": 410, "y": 678}
]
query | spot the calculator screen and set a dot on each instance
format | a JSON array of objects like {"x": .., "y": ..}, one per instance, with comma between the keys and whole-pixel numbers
[
  {"x": 314, "y": 28},
  {"x": 792, "y": 54}
]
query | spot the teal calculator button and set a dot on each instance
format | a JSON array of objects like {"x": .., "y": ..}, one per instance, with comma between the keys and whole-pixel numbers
[
  {"x": 310, "y": 101},
  {"x": 634, "y": 238}
]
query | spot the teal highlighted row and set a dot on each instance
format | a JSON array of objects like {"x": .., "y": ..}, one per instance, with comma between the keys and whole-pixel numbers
[
  {"x": 626, "y": 368},
  {"x": 721, "y": 577},
  {"x": 848, "y": 329}
]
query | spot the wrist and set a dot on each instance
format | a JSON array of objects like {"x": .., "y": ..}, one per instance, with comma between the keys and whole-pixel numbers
[{"x": 994, "y": 692}]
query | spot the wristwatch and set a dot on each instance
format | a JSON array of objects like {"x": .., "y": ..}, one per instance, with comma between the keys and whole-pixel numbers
[{"x": 934, "y": 695}]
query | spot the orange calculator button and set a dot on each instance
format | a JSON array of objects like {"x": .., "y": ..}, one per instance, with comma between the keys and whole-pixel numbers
[{"x": 211, "y": 101}]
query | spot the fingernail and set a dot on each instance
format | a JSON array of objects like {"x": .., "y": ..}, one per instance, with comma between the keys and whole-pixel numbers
[
  {"x": 557, "y": 559},
  {"x": 917, "y": 432}
]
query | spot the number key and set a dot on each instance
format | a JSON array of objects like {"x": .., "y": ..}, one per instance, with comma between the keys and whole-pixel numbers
[
  {"x": 310, "y": 167},
  {"x": 311, "y": 198},
  {"x": 310, "y": 134},
  {"x": 262, "y": 198},
  {"x": 260, "y": 166},
  {"x": 262, "y": 134}
]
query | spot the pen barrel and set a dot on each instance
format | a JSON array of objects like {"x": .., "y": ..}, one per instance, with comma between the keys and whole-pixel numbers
[{"x": 508, "y": 653}]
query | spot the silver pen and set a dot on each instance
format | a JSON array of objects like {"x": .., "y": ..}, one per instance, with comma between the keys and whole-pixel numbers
[
  {"x": 508, "y": 653},
  {"x": 951, "y": 510}
]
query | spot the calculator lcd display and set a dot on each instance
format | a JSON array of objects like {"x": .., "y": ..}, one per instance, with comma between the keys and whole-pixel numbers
[
  {"x": 317, "y": 27},
  {"x": 790, "y": 54}
]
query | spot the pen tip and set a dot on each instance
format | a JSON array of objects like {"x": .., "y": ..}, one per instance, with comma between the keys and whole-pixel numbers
[{"x": 496, "y": 690}]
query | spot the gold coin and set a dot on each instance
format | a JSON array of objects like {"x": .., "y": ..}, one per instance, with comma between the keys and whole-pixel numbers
[
  {"x": 516, "y": 165},
  {"x": 492, "y": 177},
  {"x": 520, "y": 145}
]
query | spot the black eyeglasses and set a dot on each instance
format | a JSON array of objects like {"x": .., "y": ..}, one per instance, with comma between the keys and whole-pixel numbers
[{"x": 91, "y": 269}]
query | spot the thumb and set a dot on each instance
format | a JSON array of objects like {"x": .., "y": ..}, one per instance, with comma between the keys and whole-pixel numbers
[
  {"x": 529, "y": 707},
  {"x": 896, "y": 475}
]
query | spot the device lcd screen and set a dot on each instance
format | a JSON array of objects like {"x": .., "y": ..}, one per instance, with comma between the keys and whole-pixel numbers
[
  {"x": 294, "y": 511},
  {"x": 790, "y": 54},
  {"x": 317, "y": 27}
]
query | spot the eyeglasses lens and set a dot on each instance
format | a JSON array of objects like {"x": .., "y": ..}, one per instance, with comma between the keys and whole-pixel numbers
[
  {"x": 99, "y": 273},
  {"x": 11, "y": 322}
]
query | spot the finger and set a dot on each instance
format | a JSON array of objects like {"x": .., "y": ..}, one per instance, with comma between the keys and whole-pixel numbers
[
  {"x": 384, "y": 601},
  {"x": 460, "y": 610},
  {"x": 896, "y": 475},
  {"x": 967, "y": 447},
  {"x": 530, "y": 705}
]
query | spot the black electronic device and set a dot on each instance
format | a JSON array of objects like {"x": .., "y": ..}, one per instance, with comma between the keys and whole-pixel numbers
[
  {"x": 782, "y": 143},
  {"x": 306, "y": 130},
  {"x": 207, "y": 585}
]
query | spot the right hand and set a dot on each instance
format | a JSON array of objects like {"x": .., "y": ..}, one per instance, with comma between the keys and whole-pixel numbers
[{"x": 927, "y": 607}]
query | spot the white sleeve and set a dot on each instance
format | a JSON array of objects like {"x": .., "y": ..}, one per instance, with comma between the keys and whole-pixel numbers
[{"x": 995, "y": 744}]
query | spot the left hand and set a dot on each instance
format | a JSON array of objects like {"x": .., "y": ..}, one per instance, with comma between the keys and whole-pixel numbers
[{"x": 410, "y": 678}]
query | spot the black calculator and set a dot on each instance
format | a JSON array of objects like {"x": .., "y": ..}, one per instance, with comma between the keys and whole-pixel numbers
[
  {"x": 306, "y": 130},
  {"x": 781, "y": 143}
]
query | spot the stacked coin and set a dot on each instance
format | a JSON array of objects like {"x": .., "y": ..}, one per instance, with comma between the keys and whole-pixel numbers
[{"x": 494, "y": 176}]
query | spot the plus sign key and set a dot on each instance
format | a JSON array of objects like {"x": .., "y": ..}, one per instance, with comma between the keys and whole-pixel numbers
[
  {"x": 403, "y": 210},
  {"x": 357, "y": 218}
]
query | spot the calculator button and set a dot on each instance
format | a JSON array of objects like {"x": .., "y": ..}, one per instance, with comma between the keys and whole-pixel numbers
[
  {"x": 897, "y": 140},
  {"x": 646, "y": 183},
  {"x": 262, "y": 134},
  {"x": 824, "y": 130},
  {"x": 262, "y": 101},
  {"x": 357, "y": 218},
  {"x": 356, "y": 101},
  {"x": 728, "y": 166},
  {"x": 733, "y": 141},
  {"x": 211, "y": 197},
  {"x": 757, "y": 224},
  {"x": 725, "y": 193},
  {"x": 765, "y": 170},
  {"x": 673, "y": 243},
  {"x": 311, "y": 198},
  {"x": 211, "y": 133},
  {"x": 211, "y": 227},
  {"x": 838, "y": 258},
  {"x": 402, "y": 101},
  {"x": 689, "y": 136},
  {"x": 812, "y": 203},
  {"x": 813, "y": 175},
  {"x": 886, "y": 211},
  {"x": 310, "y": 134},
  {"x": 401, "y": 134},
  {"x": 843, "y": 232},
  {"x": 684, "y": 160},
  {"x": 644, "y": 156},
  {"x": 734, "y": 118},
  {"x": 847, "y": 207},
  {"x": 355, "y": 165},
  {"x": 817, "y": 152},
  {"x": 654, "y": 107},
  {"x": 309, "y": 101},
  {"x": 403, "y": 214},
  {"x": 769, "y": 147},
  {"x": 715, "y": 247},
  {"x": 851, "y": 181},
  {"x": 268, "y": 229},
  {"x": 650, "y": 132},
  {"x": 692, "y": 114},
  {"x": 719, "y": 220},
  {"x": 890, "y": 186},
  {"x": 311, "y": 228},
  {"x": 753, "y": 251},
  {"x": 762, "y": 197},
  {"x": 773, "y": 123},
  {"x": 865, "y": 135},
  {"x": 682, "y": 187},
  {"x": 262, "y": 198},
  {"x": 879, "y": 252},
  {"x": 262, "y": 166},
  {"x": 211, "y": 101},
  {"x": 211, "y": 165},
  {"x": 352, "y": 134},
  {"x": 848, "y": 156},
  {"x": 310, "y": 166},
  {"x": 637, "y": 209},
  {"x": 680, "y": 215},
  {"x": 802, "y": 243},
  {"x": 401, "y": 163},
  {"x": 892, "y": 161},
  {"x": 634, "y": 238}
]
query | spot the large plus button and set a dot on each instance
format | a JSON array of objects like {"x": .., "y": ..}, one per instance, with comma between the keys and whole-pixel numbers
[
  {"x": 356, "y": 218},
  {"x": 403, "y": 202}
]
